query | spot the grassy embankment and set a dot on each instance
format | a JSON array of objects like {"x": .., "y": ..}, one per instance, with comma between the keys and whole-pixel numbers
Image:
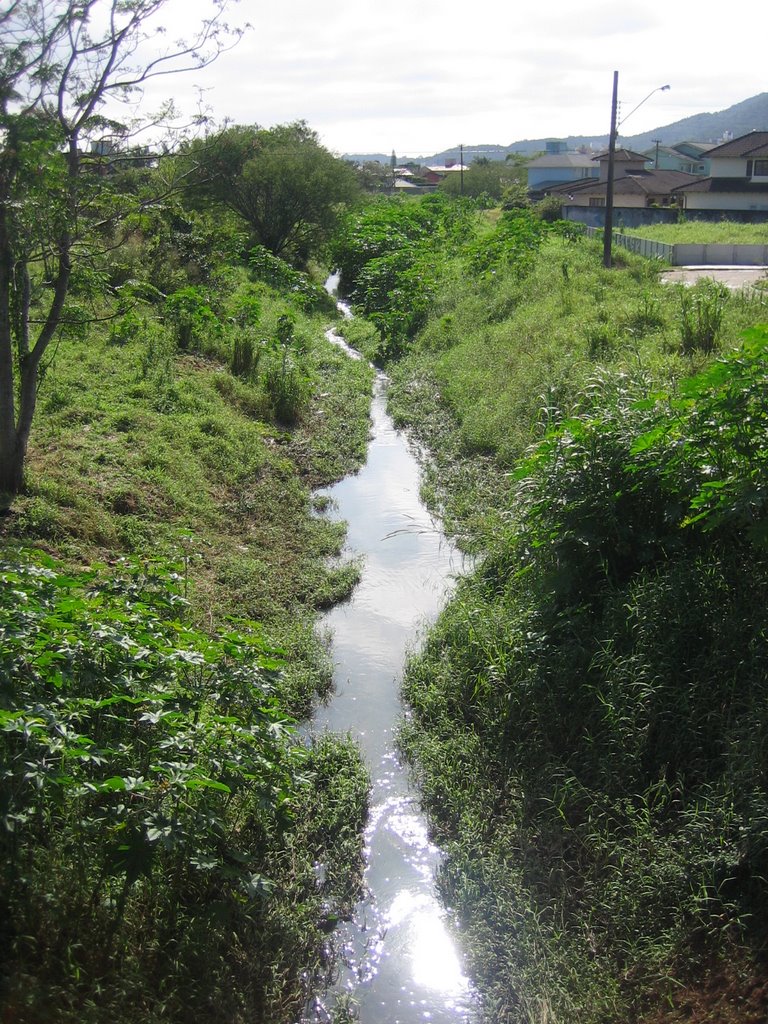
[
  {"x": 164, "y": 825},
  {"x": 514, "y": 350},
  {"x": 588, "y": 717},
  {"x": 142, "y": 448},
  {"x": 705, "y": 233}
]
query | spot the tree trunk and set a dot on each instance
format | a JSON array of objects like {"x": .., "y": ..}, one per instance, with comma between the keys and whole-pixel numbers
[
  {"x": 10, "y": 466},
  {"x": 27, "y": 403},
  {"x": 17, "y": 405},
  {"x": 12, "y": 471}
]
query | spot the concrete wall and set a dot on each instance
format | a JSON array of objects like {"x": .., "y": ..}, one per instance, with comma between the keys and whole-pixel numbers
[
  {"x": 747, "y": 201},
  {"x": 623, "y": 216},
  {"x": 644, "y": 246},
  {"x": 691, "y": 255},
  {"x": 720, "y": 255}
]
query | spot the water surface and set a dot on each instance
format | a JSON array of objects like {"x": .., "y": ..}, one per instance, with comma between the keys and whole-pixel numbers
[{"x": 401, "y": 962}]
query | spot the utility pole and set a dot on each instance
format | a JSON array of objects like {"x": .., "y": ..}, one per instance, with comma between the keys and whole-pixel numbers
[
  {"x": 461, "y": 166},
  {"x": 608, "y": 231},
  {"x": 656, "y": 161}
]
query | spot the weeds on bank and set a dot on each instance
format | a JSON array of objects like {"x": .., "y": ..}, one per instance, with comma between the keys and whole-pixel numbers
[
  {"x": 585, "y": 713},
  {"x": 503, "y": 362},
  {"x": 588, "y": 712},
  {"x": 150, "y": 785},
  {"x": 165, "y": 830},
  {"x": 702, "y": 309}
]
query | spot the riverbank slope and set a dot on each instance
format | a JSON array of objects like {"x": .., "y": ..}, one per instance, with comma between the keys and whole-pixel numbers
[
  {"x": 165, "y": 828},
  {"x": 587, "y": 714}
]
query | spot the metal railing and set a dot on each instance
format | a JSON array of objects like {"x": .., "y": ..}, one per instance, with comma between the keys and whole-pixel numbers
[{"x": 644, "y": 246}]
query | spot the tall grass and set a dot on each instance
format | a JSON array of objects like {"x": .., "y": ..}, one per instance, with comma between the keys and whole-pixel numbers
[
  {"x": 505, "y": 359},
  {"x": 586, "y": 720},
  {"x": 587, "y": 712}
]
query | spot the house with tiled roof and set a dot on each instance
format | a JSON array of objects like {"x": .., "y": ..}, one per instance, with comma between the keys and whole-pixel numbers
[
  {"x": 634, "y": 184},
  {"x": 695, "y": 150},
  {"x": 738, "y": 178}
]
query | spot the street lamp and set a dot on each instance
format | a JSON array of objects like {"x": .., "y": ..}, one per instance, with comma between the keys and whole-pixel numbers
[
  {"x": 659, "y": 88},
  {"x": 608, "y": 230}
]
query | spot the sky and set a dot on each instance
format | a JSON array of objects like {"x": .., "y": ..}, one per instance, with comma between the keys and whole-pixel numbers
[{"x": 422, "y": 76}]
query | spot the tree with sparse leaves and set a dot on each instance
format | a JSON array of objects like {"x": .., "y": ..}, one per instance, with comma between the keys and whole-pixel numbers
[{"x": 61, "y": 62}]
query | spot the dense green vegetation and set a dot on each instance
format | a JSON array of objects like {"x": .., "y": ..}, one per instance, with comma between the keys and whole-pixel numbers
[
  {"x": 287, "y": 188},
  {"x": 489, "y": 180},
  {"x": 588, "y": 717},
  {"x": 172, "y": 846},
  {"x": 162, "y": 819}
]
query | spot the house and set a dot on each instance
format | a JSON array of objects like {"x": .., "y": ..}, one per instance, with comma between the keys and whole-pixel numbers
[
  {"x": 685, "y": 156},
  {"x": 440, "y": 171},
  {"x": 432, "y": 175},
  {"x": 738, "y": 178},
  {"x": 406, "y": 185},
  {"x": 697, "y": 151},
  {"x": 634, "y": 184},
  {"x": 414, "y": 182},
  {"x": 558, "y": 169}
]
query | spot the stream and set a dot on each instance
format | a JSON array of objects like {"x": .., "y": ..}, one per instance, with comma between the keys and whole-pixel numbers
[{"x": 399, "y": 961}]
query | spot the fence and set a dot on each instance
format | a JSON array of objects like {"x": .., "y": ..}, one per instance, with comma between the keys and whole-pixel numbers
[
  {"x": 644, "y": 246},
  {"x": 690, "y": 255}
]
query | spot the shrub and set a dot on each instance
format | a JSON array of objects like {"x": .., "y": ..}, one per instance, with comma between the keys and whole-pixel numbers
[
  {"x": 701, "y": 315},
  {"x": 245, "y": 355},
  {"x": 274, "y": 271},
  {"x": 549, "y": 209},
  {"x": 190, "y": 314},
  {"x": 513, "y": 243},
  {"x": 145, "y": 766},
  {"x": 245, "y": 307},
  {"x": 126, "y": 328},
  {"x": 604, "y": 674},
  {"x": 288, "y": 390},
  {"x": 711, "y": 438}
]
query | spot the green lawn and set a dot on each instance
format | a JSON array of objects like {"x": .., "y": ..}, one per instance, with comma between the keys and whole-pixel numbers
[{"x": 705, "y": 233}]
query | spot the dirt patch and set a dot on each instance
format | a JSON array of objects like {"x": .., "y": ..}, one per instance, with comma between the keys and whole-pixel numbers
[
  {"x": 734, "y": 992},
  {"x": 732, "y": 277}
]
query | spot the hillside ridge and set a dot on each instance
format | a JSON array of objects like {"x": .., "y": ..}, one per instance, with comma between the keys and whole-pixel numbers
[{"x": 739, "y": 119}]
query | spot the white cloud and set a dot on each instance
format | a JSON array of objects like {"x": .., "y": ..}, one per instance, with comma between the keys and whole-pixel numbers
[{"x": 419, "y": 77}]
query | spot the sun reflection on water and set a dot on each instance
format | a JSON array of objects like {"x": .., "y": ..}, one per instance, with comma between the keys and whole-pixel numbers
[{"x": 434, "y": 961}]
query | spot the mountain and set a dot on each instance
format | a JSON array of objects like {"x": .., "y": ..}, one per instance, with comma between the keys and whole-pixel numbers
[{"x": 739, "y": 119}]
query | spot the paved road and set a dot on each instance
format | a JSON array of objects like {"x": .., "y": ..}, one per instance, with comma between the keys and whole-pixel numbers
[{"x": 733, "y": 277}]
